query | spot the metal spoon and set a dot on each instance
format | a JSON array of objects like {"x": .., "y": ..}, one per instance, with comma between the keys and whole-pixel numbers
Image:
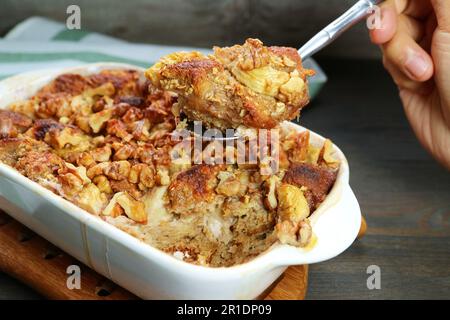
[{"x": 358, "y": 12}]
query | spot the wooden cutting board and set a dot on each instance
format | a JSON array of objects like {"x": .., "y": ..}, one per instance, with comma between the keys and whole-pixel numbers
[{"x": 40, "y": 265}]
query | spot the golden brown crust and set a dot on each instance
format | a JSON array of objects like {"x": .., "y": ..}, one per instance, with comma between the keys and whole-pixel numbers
[
  {"x": 12, "y": 149},
  {"x": 71, "y": 84},
  {"x": 192, "y": 189},
  {"x": 317, "y": 179},
  {"x": 125, "y": 82},
  {"x": 189, "y": 73},
  {"x": 40, "y": 166}
]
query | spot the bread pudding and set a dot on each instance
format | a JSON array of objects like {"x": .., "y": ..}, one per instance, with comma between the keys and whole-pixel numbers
[
  {"x": 246, "y": 85},
  {"x": 106, "y": 143}
]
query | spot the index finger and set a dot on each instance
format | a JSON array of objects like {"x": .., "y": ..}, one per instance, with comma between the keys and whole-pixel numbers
[{"x": 442, "y": 10}]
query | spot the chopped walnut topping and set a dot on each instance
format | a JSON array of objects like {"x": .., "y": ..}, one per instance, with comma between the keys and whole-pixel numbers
[
  {"x": 98, "y": 140},
  {"x": 132, "y": 115},
  {"x": 135, "y": 171},
  {"x": 82, "y": 122},
  {"x": 91, "y": 199},
  {"x": 326, "y": 156},
  {"x": 97, "y": 169},
  {"x": 101, "y": 154},
  {"x": 118, "y": 128},
  {"x": 113, "y": 209},
  {"x": 125, "y": 185},
  {"x": 300, "y": 150},
  {"x": 103, "y": 184},
  {"x": 293, "y": 209},
  {"x": 124, "y": 152},
  {"x": 67, "y": 136},
  {"x": 134, "y": 209},
  {"x": 83, "y": 104},
  {"x": 147, "y": 176},
  {"x": 162, "y": 176},
  {"x": 140, "y": 129},
  {"x": 71, "y": 184},
  {"x": 118, "y": 170},
  {"x": 97, "y": 120},
  {"x": 292, "y": 203},
  {"x": 80, "y": 172}
]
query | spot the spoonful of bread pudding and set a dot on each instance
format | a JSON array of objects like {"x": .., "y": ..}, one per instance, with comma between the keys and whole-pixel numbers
[{"x": 249, "y": 85}]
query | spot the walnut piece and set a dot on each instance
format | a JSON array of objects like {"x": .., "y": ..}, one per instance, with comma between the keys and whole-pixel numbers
[
  {"x": 97, "y": 120},
  {"x": 97, "y": 169},
  {"x": 103, "y": 184},
  {"x": 134, "y": 209},
  {"x": 228, "y": 184},
  {"x": 101, "y": 154},
  {"x": 293, "y": 209},
  {"x": 292, "y": 203},
  {"x": 67, "y": 136},
  {"x": 162, "y": 176},
  {"x": 91, "y": 199},
  {"x": 118, "y": 170},
  {"x": 113, "y": 209}
]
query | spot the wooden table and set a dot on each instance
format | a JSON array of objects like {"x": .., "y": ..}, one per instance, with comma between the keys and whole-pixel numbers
[{"x": 403, "y": 193}]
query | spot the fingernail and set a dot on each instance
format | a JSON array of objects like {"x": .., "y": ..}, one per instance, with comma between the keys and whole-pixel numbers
[{"x": 415, "y": 64}]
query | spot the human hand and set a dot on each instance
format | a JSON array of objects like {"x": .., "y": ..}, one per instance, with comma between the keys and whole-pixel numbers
[{"x": 415, "y": 40}]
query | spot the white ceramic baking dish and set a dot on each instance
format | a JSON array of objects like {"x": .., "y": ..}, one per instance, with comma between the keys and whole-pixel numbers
[{"x": 147, "y": 271}]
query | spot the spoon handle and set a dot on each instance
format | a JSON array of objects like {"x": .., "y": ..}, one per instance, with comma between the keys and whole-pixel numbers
[{"x": 360, "y": 11}]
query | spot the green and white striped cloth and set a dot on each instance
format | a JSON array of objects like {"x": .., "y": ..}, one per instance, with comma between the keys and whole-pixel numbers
[{"x": 39, "y": 43}]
